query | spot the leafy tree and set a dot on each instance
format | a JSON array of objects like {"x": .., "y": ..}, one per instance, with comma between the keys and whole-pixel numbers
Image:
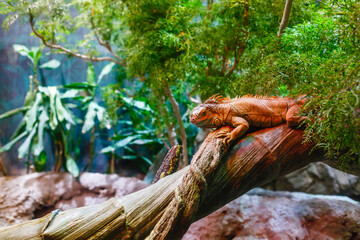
[
  {"x": 182, "y": 50},
  {"x": 316, "y": 58}
]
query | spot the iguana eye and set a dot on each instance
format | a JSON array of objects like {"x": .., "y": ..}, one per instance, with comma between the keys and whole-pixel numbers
[{"x": 217, "y": 122}]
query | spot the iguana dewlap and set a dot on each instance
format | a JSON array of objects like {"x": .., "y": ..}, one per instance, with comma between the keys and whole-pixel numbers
[{"x": 247, "y": 111}]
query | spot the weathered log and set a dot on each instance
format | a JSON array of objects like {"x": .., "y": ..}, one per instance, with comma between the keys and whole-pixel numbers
[{"x": 166, "y": 209}]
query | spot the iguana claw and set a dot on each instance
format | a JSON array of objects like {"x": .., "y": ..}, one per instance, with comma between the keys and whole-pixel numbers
[{"x": 227, "y": 140}]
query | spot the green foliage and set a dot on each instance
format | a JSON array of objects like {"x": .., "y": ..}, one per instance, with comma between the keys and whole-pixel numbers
[
  {"x": 45, "y": 110},
  {"x": 87, "y": 99},
  {"x": 47, "y": 113},
  {"x": 197, "y": 48},
  {"x": 136, "y": 124},
  {"x": 316, "y": 58},
  {"x": 33, "y": 55},
  {"x": 85, "y": 95}
]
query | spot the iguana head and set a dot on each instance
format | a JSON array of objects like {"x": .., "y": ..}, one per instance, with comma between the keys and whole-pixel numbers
[
  {"x": 202, "y": 116},
  {"x": 208, "y": 114}
]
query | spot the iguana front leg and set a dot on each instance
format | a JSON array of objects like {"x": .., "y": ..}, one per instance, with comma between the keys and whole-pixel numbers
[
  {"x": 292, "y": 117},
  {"x": 241, "y": 126}
]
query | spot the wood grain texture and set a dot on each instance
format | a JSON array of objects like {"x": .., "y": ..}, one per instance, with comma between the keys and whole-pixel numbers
[{"x": 166, "y": 209}]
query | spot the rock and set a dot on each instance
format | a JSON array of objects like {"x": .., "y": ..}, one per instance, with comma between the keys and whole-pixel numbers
[
  {"x": 319, "y": 178},
  {"x": 31, "y": 196},
  {"x": 263, "y": 214},
  {"x": 260, "y": 214}
]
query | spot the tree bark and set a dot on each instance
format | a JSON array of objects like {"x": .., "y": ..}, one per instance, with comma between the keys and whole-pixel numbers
[
  {"x": 171, "y": 135},
  {"x": 183, "y": 136},
  {"x": 2, "y": 167},
  {"x": 166, "y": 209},
  {"x": 286, "y": 17}
]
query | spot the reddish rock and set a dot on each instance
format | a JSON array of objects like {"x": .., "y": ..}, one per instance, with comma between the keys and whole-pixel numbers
[
  {"x": 34, "y": 195},
  {"x": 281, "y": 215}
]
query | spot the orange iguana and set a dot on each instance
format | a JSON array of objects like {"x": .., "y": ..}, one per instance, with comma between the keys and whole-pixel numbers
[{"x": 247, "y": 111}]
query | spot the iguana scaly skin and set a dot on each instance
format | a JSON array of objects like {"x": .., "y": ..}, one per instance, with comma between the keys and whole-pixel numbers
[{"x": 247, "y": 111}]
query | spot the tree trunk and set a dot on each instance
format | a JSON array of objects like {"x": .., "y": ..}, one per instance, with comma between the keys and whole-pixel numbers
[
  {"x": 166, "y": 209},
  {"x": 2, "y": 168},
  {"x": 183, "y": 136},
  {"x": 286, "y": 17}
]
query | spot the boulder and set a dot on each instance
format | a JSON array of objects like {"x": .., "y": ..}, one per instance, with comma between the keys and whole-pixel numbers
[
  {"x": 31, "y": 196},
  {"x": 319, "y": 178},
  {"x": 263, "y": 214}
]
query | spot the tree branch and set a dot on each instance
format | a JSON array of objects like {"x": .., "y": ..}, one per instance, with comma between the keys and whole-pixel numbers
[
  {"x": 106, "y": 45},
  {"x": 2, "y": 168},
  {"x": 194, "y": 88},
  {"x": 224, "y": 64},
  {"x": 183, "y": 135},
  {"x": 68, "y": 51},
  {"x": 171, "y": 136},
  {"x": 233, "y": 67},
  {"x": 215, "y": 177},
  {"x": 240, "y": 48},
  {"x": 286, "y": 17}
]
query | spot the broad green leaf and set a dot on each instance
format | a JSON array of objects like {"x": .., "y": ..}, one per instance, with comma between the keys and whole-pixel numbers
[
  {"x": 44, "y": 90},
  {"x": 37, "y": 55},
  {"x": 108, "y": 149},
  {"x": 40, "y": 144},
  {"x": 14, "y": 111},
  {"x": 80, "y": 85},
  {"x": 24, "y": 148},
  {"x": 103, "y": 117},
  {"x": 94, "y": 110},
  {"x": 105, "y": 121},
  {"x": 30, "y": 95},
  {"x": 40, "y": 162},
  {"x": 119, "y": 144},
  {"x": 127, "y": 148},
  {"x": 124, "y": 132},
  {"x": 53, "y": 119},
  {"x": 52, "y": 64},
  {"x": 31, "y": 115},
  {"x": 144, "y": 141},
  {"x": 62, "y": 112},
  {"x": 148, "y": 131},
  {"x": 70, "y": 93},
  {"x": 90, "y": 74},
  {"x": 86, "y": 99},
  {"x": 129, "y": 157},
  {"x": 21, "y": 49},
  {"x": 125, "y": 122},
  {"x": 9, "y": 145},
  {"x": 20, "y": 128},
  {"x": 148, "y": 161},
  {"x": 72, "y": 167},
  {"x": 139, "y": 104},
  {"x": 71, "y": 105},
  {"x": 31, "y": 56},
  {"x": 125, "y": 141},
  {"x": 89, "y": 117},
  {"x": 100, "y": 112},
  {"x": 106, "y": 70}
]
